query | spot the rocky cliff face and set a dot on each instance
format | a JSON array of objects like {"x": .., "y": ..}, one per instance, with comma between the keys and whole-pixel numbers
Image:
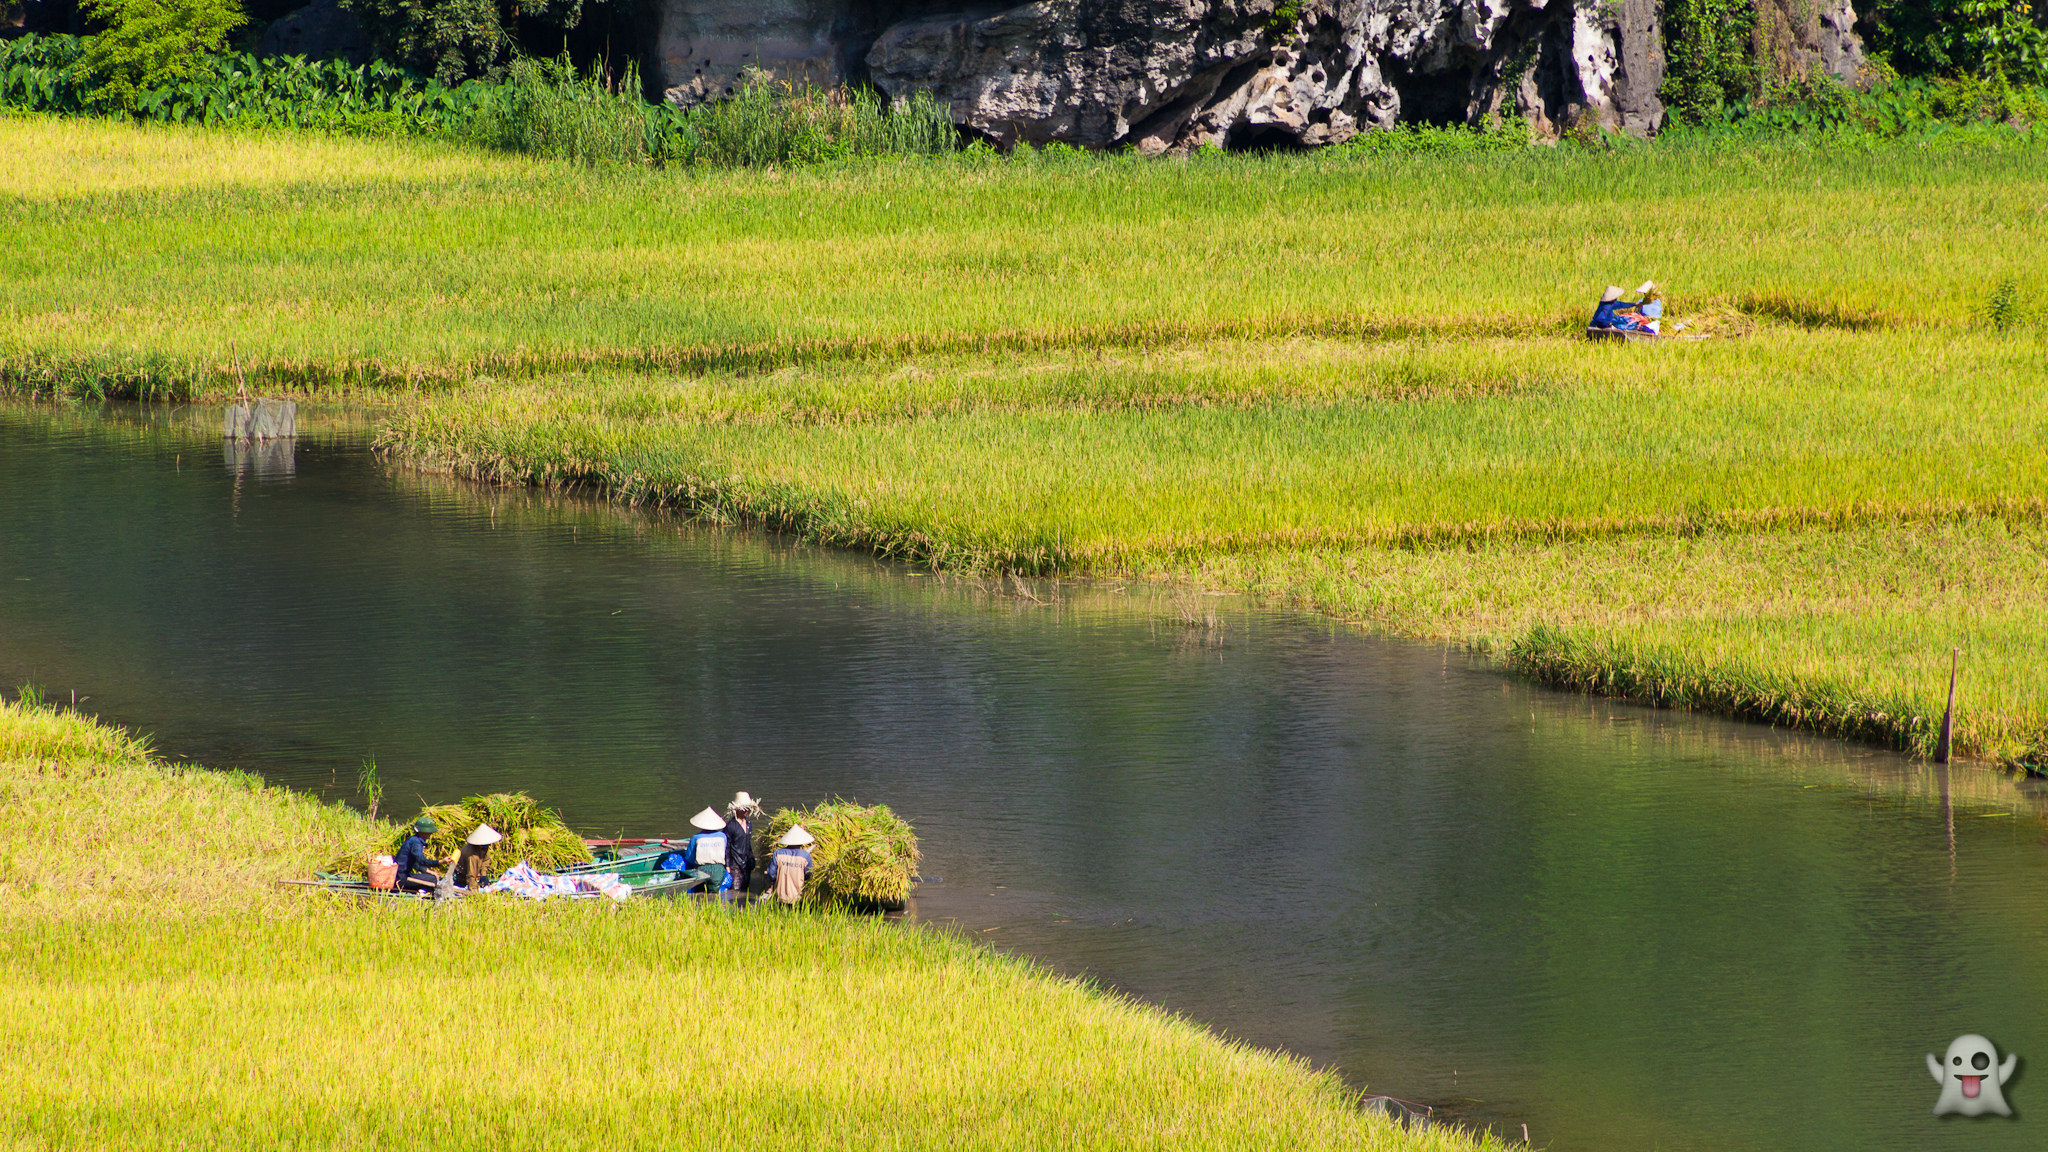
[
  {"x": 1168, "y": 75},
  {"x": 1174, "y": 74}
]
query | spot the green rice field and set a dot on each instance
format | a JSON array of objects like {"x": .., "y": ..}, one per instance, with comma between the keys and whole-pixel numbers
[
  {"x": 159, "y": 990},
  {"x": 1349, "y": 384}
]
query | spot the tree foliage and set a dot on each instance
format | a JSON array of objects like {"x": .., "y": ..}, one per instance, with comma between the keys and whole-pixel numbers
[
  {"x": 1941, "y": 37},
  {"x": 149, "y": 44},
  {"x": 456, "y": 40},
  {"x": 1710, "y": 59}
]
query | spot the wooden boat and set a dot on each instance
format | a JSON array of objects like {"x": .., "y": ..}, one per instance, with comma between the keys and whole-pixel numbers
[{"x": 634, "y": 860}]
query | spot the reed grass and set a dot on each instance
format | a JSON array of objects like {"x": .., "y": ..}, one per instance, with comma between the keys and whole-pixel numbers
[{"x": 169, "y": 998}]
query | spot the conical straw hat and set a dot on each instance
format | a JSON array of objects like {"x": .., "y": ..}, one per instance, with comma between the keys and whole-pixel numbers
[
  {"x": 741, "y": 802},
  {"x": 796, "y": 837},
  {"x": 485, "y": 836},
  {"x": 1612, "y": 294},
  {"x": 709, "y": 820}
]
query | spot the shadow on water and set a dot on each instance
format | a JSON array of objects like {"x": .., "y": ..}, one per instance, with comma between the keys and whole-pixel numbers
[{"x": 1623, "y": 928}]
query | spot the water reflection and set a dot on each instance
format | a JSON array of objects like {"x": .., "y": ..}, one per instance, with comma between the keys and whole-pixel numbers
[
  {"x": 259, "y": 459},
  {"x": 1620, "y": 927}
]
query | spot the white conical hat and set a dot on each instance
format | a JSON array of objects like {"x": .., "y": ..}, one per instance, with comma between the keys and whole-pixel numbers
[
  {"x": 741, "y": 802},
  {"x": 796, "y": 837},
  {"x": 709, "y": 820},
  {"x": 1612, "y": 294},
  {"x": 1647, "y": 287},
  {"x": 485, "y": 836}
]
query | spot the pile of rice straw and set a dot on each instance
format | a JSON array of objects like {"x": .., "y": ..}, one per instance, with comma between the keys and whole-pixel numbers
[
  {"x": 532, "y": 833},
  {"x": 864, "y": 857}
]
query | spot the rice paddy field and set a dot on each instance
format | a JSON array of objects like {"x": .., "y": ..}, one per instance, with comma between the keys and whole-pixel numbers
[
  {"x": 1352, "y": 384},
  {"x": 158, "y": 989}
]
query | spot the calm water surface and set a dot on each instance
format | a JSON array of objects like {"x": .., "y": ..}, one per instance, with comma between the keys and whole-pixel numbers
[{"x": 1626, "y": 929}]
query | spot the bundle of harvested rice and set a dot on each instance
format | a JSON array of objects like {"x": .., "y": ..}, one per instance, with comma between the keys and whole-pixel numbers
[
  {"x": 864, "y": 857},
  {"x": 533, "y": 834}
]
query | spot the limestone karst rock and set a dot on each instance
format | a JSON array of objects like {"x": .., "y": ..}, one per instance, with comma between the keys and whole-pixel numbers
[{"x": 1168, "y": 75}]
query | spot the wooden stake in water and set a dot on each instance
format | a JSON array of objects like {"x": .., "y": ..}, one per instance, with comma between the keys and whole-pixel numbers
[{"x": 1948, "y": 718}]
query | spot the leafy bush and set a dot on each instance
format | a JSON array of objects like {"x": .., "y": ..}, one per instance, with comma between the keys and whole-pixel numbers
[
  {"x": 48, "y": 74},
  {"x": 456, "y": 40},
  {"x": 1826, "y": 106},
  {"x": 152, "y": 43}
]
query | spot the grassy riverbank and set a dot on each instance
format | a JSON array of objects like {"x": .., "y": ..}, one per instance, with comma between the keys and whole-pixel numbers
[
  {"x": 1350, "y": 384},
  {"x": 159, "y": 990}
]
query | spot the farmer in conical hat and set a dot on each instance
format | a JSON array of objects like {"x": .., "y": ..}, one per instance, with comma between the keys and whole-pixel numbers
[
  {"x": 791, "y": 864},
  {"x": 413, "y": 861},
  {"x": 469, "y": 863},
  {"x": 704, "y": 855},
  {"x": 739, "y": 840},
  {"x": 1638, "y": 315}
]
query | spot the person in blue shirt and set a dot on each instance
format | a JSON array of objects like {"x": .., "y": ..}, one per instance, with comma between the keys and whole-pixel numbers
[
  {"x": 1641, "y": 315},
  {"x": 705, "y": 853},
  {"x": 413, "y": 861}
]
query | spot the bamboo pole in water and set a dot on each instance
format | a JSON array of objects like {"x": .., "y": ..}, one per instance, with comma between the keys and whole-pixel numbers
[{"x": 1948, "y": 717}]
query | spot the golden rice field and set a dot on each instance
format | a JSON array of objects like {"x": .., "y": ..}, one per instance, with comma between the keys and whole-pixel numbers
[
  {"x": 158, "y": 990},
  {"x": 1349, "y": 384}
]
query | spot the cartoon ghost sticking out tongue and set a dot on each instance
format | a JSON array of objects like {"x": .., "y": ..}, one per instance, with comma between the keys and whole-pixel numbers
[{"x": 1969, "y": 1085}]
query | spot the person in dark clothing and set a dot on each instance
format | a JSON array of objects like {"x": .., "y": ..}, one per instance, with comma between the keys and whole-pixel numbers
[
  {"x": 739, "y": 840},
  {"x": 413, "y": 861}
]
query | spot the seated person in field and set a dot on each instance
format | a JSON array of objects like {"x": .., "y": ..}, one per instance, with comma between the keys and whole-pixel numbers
[
  {"x": 413, "y": 861},
  {"x": 475, "y": 857},
  {"x": 790, "y": 865},
  {"x": 1640, "y": 315},
  {"x": 704, "y": 855}
]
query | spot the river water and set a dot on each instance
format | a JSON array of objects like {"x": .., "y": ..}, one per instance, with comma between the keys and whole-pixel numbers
[{"x": 1625, "y": 929}]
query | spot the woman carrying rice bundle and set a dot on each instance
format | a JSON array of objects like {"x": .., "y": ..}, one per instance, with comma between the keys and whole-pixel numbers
[{"x": 790, "y": 864}]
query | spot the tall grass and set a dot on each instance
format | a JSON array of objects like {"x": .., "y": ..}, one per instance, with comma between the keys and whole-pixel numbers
[
  {"x": 328, "y": 274},
  {"x": 548, "y": 109},
  {"x": 166, "y": 998},
  {"x": 1780, "y": 430},
  {"x": 767, "y": 122}
]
